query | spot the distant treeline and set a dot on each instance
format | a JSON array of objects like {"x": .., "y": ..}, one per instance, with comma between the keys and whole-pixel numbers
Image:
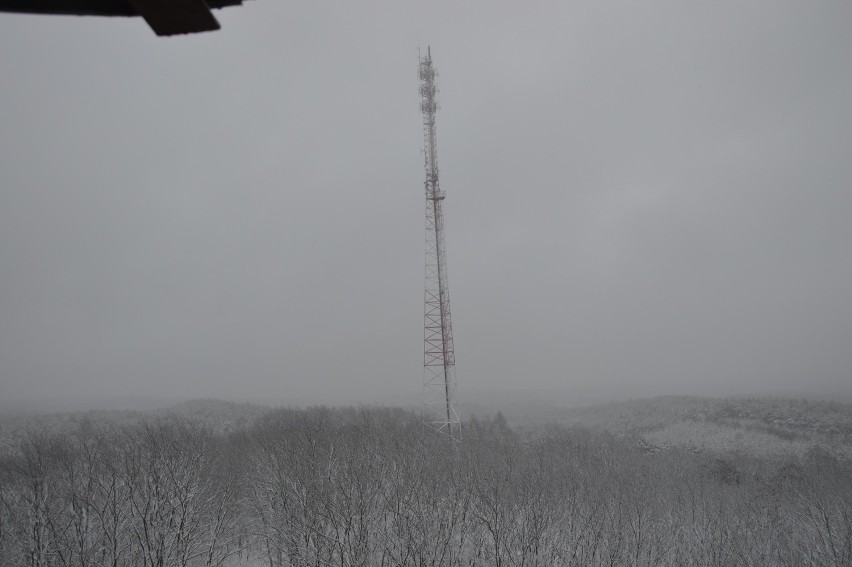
[{"x": 373, "y": 487}]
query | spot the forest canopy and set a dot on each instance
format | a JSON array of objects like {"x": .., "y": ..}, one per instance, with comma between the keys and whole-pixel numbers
[{"x": 373, "y": 486}]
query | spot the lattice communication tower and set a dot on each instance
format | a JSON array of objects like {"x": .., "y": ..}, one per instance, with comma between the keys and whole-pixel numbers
[{"x": 439, "y": 360}]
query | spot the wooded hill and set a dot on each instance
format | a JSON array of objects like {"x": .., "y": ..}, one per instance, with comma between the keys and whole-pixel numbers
[
  {"x": 372, "y": 486},
  {"x": 722, "y": 426}
]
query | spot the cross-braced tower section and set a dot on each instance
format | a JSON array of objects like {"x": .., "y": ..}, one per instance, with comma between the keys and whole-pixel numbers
[{"x": 439, "y": 361}]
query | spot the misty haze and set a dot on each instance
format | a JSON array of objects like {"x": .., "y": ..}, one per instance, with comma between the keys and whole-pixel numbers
[{"x": 218, "y": 347}]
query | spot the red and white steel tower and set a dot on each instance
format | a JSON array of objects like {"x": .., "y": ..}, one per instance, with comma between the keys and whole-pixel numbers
[{"x": 439, "y": 361}]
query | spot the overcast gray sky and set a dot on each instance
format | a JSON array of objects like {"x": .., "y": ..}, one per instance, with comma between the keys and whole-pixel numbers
[{"x": 642, "y": 198}]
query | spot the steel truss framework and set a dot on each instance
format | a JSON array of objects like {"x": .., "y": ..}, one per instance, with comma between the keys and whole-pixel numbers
[{"x": 439, "y": 361}]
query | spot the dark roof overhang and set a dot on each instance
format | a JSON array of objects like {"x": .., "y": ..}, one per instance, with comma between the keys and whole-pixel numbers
[{"x": 166, "y": 17}]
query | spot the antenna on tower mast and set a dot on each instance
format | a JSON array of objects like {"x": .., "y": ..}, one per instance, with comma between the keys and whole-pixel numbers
[{"x": 439, "y": 359}]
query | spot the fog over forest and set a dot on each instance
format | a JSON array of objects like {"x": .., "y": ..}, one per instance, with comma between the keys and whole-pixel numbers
[{"x": 212, "y": 286}]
